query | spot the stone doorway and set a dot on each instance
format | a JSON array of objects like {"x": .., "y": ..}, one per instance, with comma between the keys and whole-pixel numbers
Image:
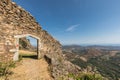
[{"x": 16, "y": 51}]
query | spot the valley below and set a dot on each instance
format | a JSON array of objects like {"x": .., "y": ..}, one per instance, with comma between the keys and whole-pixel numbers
[{"x": 102, "y": 59}]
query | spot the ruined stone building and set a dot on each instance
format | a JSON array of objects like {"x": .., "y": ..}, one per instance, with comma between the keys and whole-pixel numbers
[{"x": 16, "y": 23}]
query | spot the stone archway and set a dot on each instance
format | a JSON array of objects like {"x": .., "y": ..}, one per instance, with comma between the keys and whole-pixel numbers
[
  {"x": 16, "y": 51},
  {"x": 16, "y": 23}
]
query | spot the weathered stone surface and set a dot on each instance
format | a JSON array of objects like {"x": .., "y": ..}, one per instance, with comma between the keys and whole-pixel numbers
[{"x": 15, "y": 21}]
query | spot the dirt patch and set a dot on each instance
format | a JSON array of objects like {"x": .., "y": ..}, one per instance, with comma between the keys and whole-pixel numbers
[{"x": 31, "y": 69}]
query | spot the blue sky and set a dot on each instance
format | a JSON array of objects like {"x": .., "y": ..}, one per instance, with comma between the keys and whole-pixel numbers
[{"x": 77, "y": 21}]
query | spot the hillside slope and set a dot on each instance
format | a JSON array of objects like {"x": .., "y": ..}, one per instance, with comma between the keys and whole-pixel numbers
[{"x": 106, "y": 62}]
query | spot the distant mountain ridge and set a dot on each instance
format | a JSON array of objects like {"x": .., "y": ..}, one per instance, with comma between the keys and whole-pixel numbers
[{"x": 92, "y": 46}]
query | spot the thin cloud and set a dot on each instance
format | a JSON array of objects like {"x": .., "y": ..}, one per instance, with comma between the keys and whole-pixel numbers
[{"x": 72, "y": 28}]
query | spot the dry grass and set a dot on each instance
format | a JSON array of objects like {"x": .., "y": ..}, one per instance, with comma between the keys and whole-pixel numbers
[{"x": 25, "y": 52}]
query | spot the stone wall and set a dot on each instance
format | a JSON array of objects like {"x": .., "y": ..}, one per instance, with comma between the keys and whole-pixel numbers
[{"x": 14, "y": 20}]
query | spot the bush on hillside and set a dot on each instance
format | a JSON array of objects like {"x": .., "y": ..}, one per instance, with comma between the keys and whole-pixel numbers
[
  {"x": 5, "y": 68},
  {"x": 86, "y": 76}
]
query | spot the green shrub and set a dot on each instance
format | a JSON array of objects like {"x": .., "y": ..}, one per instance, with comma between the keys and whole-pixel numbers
[
  {"x": 23, "y": 44},
  {"x": 5, "y": 68},
  {"x": 86, "y": 76},
  {"x": 71, "y": 75},
  {"x": 20, "y": 57}
]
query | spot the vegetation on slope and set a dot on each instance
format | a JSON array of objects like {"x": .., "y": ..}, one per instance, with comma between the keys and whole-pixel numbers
[
  {"x": 107, "y": 63},
  {"x": 5, "y": 67}
]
